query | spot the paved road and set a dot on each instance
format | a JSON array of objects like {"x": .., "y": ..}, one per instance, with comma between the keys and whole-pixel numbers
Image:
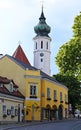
[{"x": 66, "y": 125}]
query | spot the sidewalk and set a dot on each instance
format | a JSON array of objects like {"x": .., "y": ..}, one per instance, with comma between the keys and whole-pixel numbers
[
  {"x": 21, "y": 124},
  {"x": 7, "y": 126}
]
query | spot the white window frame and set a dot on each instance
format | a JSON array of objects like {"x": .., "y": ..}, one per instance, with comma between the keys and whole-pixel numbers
[{"x": 33, "y": 90}]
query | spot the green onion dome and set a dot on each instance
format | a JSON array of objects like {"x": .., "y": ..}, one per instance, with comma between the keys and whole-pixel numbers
[{"x": 42, "y": 29}]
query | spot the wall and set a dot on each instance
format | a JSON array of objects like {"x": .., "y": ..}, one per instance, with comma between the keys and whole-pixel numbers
[
  {"x": 11, "y": 70},
  {"x": 33, "y": 105},
  {"x": 10, "y": 102},
  {"x": 46, "y": 83}
]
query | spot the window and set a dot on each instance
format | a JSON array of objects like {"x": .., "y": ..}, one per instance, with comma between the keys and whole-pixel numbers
[
  {"x": 66, "y": 99},
  {"x": 36, "y": 45},
  {"x": 12, "y": 111},
  {"x": 47, "y": 45},
  {"x": 33, "y": 91},
  {"x": 11, "y": 87},
  {"x": 55, "y": 95},
  {"x": 41, "y": 44},
  {"x": 48, "y": 93},
  {"x": 4, "y": 110},
  {"x": 8, "y": 111},
  {"x": 61, "y": 97},
  {"x": 41, "y": 60},
  {"x": 16, "y": 112}
]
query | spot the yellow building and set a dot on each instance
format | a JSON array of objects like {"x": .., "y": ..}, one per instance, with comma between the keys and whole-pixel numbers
[{"x": 45, "y": 98}]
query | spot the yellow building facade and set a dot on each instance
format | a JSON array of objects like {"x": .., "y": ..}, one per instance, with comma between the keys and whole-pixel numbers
[{"x": 45, "y": 98}]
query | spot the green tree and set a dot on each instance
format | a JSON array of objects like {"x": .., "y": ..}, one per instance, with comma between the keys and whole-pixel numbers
[
  {"x": 74, "y": 89},
  {"x": 68, "y": 58}
]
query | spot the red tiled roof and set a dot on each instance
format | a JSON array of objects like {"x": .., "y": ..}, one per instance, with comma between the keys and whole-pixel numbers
[
  {"x": 4, "y": 90},
  {"x": 20, "y": 55},
  {"x": 4, "y": 80},
  {"x": 17, "y": 93},
  {"x": 14, "y": 85}
]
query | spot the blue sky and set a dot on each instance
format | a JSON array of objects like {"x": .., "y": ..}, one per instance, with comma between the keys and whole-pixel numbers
[{"x": 18, "y": 18}]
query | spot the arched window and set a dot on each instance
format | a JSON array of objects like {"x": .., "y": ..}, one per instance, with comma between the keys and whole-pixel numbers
[
  {"x": 36, "y": 45},
  {"x": 41, "y": 44},
  {"x": 41, "y": 60},
  {"x": 47, "y": 45}
]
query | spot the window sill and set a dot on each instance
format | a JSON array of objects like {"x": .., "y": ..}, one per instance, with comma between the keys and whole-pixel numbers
[
  {"x": 12, "y": 116},
  {"x": 4, "y": 116},
  {"x": 48, "y": 98},
  {"x": 55, "y": 100},
  {"x": 33, "y": 96},
  {"x": 61, "y": 101},
  {"x": 66, "y": 102}
]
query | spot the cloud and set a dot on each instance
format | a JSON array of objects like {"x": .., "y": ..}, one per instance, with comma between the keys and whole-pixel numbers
[{"x": 5, "y": 4}]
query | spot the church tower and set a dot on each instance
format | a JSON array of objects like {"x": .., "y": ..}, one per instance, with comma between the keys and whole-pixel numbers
[{"x": 42, "y": 45}]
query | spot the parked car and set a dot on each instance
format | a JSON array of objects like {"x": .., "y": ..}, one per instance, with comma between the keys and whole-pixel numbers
[{"x": 76, "y": 115}]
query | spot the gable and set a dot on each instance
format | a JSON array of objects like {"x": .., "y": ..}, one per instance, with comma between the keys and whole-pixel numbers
[
  {"x": 20, "y": 55},
  {"x": 11, "y": 69}
]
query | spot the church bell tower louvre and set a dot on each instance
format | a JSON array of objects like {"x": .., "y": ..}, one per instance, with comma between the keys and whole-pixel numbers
[{"x": 42, "y": 45}]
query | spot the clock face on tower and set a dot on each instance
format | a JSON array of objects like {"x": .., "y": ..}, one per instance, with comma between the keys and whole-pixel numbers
[{"x": 41, "y": 54}]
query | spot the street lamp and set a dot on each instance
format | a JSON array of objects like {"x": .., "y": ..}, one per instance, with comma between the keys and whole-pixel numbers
[{"x": 18, "y": 112}]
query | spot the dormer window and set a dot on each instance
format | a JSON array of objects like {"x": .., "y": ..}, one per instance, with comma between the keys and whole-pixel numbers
[
  {"x": 14, "y": 89},
  {"x": 11, "y": 87}
]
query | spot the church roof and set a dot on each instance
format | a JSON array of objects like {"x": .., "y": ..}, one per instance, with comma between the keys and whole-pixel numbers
[
  {"x": 42, "y": 29},
  {"x": 20, "y": 55}
]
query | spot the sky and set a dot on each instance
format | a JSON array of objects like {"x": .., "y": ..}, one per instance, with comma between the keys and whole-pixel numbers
[{"x": 18, "y": 18}]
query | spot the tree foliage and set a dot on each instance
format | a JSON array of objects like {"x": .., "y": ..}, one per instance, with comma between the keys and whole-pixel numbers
[
  {"x": 73, "y": 85},
  {"x": 68, "y": 60}
]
